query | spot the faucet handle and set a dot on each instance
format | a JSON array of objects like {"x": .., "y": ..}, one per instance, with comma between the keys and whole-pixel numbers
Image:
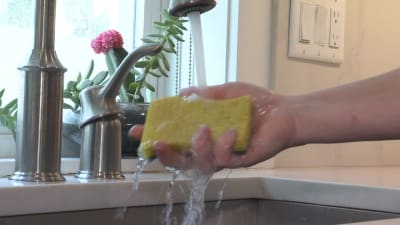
[{"x": 99, "y": 101}]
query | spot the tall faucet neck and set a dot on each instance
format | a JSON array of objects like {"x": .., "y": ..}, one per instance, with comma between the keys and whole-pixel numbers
[{"x": 45, "y": 24}]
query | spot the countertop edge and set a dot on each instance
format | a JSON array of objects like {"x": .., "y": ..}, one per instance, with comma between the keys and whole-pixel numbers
[{"x": 287, "y": 185}]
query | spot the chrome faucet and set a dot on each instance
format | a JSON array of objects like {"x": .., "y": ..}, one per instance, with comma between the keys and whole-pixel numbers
[
  {"x": 38, "y": 154},
  {"x": 100, "y": 122},
  {"x": 181, "y": 8}
]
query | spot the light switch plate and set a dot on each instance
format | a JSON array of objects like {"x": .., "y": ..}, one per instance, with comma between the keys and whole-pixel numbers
[{"x": 327, "y": 43}]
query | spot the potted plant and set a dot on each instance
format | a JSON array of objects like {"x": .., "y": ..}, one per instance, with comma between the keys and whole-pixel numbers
[{"x": 132, "y": 102}]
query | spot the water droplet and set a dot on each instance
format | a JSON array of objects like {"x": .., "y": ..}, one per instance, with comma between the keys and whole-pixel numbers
[{"x": 140, "y": 164}]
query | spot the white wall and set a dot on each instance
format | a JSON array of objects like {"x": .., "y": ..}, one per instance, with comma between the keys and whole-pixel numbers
[{"x": 372, "y": 46}]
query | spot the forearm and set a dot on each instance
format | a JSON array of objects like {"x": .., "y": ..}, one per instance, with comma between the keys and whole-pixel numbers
[{"x": 363, "y": 110}]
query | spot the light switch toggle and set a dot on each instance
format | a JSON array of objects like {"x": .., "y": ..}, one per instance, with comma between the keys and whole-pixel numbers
[
  {"x": 321, "y": 25},
  {"x": 307, "y": 22}
]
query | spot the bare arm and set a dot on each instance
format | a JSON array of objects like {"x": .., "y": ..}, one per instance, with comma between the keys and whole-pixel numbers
[{"x": 363, "y": 110}]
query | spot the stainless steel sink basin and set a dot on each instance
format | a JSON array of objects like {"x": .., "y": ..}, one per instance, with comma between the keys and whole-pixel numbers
[{"x": 231, "y": 212}]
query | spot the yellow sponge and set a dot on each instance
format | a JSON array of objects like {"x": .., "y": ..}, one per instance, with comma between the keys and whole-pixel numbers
[{"x": 174, "y": 120}]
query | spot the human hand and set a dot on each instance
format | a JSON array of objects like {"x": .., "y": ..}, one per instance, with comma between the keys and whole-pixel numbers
[{"x": 273, "y": 130}]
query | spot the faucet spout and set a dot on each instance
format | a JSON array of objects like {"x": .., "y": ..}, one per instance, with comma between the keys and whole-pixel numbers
[
  {"x": 99, "y": 101},
  {"x": 100, "y": 122},
  {"x": 110, "y": 90}
]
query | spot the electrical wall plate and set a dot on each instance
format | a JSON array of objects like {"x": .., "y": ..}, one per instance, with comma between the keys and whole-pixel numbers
[{"x": 317, "y": 30}]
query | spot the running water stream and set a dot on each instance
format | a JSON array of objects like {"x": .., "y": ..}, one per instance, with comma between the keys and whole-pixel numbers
[
  {"x": 197, "y": 35},
  {"x": 194, "y": 207}
]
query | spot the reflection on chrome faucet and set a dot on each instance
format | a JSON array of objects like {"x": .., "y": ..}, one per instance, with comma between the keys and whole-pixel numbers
[{"x": 100, "y": 122}]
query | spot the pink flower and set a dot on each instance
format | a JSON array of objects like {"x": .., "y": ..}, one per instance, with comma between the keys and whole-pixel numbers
[{"x": 106, "y": 40}]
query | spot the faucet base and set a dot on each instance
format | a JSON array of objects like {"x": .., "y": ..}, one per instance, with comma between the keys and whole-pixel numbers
[
  {"x": 102, "y": 175},
  {"x": 37, "y": 177}
]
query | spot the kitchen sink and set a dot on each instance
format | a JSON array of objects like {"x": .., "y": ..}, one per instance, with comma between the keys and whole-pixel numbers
[{"x": 230, "y": 212}]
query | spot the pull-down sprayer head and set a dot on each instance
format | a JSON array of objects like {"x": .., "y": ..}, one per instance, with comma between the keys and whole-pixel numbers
[{"x": 181, "y": 8}]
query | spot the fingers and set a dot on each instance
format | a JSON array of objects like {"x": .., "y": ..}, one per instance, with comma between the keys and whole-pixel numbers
[
  {"x": 202, "y": 151},
  {"x": 223, "y": 150},
  {"x": 170, "y": 157},
  {"x": 199, "y": 158},
  {"x": 205, "y": 157},
  {"x": 136, "y": 132}
]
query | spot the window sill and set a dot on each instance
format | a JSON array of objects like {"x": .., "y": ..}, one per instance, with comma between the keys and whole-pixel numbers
[{"x": 71, "y": 166}]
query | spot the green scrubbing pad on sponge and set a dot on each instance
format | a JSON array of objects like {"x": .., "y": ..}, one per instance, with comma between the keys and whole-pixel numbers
[{"x": 174, "y": 120}]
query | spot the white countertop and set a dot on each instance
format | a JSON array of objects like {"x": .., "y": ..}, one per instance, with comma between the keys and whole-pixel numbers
[
  {"x": 379, "y": 222},
  {"x": 372, "y": 188}
]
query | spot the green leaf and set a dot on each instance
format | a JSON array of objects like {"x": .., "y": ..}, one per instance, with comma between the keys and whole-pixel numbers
[
  {"x": 100, "y": 77},
  {"x": 161, "y": 27},
  {"x": 71, "y": 85},
  {"x": 164, "y": 12},
  {"x": 163, "y": 72},
  {"x": 114, "y": 57},
  {"x": 165, "y": 61},
  {"x": 149, "y": 86},
  {"x": 169, "y": 50},
  {"x": 149, "y": 41},
  {"x": 175, "y": 31},
  {"x": 8, "y": 114},
  {"x": 11, "y": 106},
  {"x": 84, "y": 84},
  {"x": 111, "y": 63},
  {"x": 67, "y": 106},
  {"x": 171, "y": 43},
  {"x": 90, "y": 69},
  {"x": 143, "y": 64},
  {"x": 154, "y": 63},
  {"x": 177, "y": 37},
  {"x": 161, "y": 24},
  {"x": 156, "y": 35},
  {"x": 79, "y": 78},
  {"x": 155, "y": 74},
  {"x": 179, "y": 24},
  {"x": 67, "y": 94},
  {"x": 133, "y": 86}
]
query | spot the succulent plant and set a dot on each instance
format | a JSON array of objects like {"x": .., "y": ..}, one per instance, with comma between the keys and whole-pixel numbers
[{"x": 171, "y": 30}]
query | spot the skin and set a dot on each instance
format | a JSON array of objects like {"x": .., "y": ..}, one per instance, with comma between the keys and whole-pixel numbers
[{"x": 363, "y": 110}]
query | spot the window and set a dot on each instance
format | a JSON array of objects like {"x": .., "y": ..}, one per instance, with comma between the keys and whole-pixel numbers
[{"x": 78, "y": 22}]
